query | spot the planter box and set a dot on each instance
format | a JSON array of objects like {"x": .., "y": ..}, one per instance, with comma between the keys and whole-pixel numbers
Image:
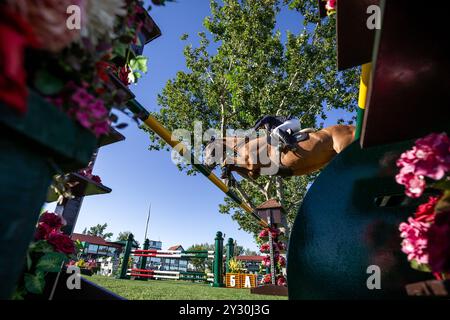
[
  {"x": 431, "y": 288},
  {"x": 56, "y": 289},
  {"x": 83, "y": 186},
  {"x": 27, "y": 145},
  {"x": 271, "y": 290},
  {"x": 51, "y": 132}
]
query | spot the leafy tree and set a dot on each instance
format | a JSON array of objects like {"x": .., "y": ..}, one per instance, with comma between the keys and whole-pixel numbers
[
  {"x": 199, "y": 264},
  {"x": 242, "y": 70},
  {"x": 99, "y": 231},
  {"x": 123, "y": 236},
  {"x": 248, "y": 252}
]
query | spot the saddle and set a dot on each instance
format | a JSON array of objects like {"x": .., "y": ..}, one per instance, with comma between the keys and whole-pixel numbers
[{"x": 286, "y": 129}]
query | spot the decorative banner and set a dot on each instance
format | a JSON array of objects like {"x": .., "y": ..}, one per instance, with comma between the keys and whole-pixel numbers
[{"x": 240, "y": 280}]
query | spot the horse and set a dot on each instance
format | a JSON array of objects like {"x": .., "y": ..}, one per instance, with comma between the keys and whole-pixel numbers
[{"x": 255, "y": 157}]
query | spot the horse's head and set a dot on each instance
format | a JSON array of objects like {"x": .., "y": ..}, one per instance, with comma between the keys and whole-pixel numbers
[{"x": 213, "y": 154}]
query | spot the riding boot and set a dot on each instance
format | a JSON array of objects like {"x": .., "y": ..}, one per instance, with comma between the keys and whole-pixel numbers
[{"x": 288, "y": 140}]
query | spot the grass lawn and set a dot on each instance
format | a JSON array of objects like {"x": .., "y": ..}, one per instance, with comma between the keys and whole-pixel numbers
[{"x": 174, "y": 290}]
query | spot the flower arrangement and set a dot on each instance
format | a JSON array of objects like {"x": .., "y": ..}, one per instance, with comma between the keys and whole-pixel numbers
[
  {"x": 235, "y": 266},
  {"x": 88, "y": 267},
  {"x": 426, "y": 235},
  {"x": 73, "y": 69},
  {"x": 279, "y": 260},
  {"x": 46, "y": 254},
  {"x": 280, "y": 280}
]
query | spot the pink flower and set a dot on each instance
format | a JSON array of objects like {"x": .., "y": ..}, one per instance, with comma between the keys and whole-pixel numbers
[
  {"x": 263, "y": 234},
  {"x": 414, "y": 244},
  {"x": 71, "y": 263},
  {"x": 415, "y": 185},
  {"x": 439, "y": 243},
  {"x": 266, "y": 261},
  {"x": 430, "y": 157},
  {"x": 330, "y": 5},
  {"x": 90, "y": 112}
]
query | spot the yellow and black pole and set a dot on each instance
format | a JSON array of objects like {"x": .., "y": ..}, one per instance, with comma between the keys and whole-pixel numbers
[
  {"x": 363, "y": 88},
  {"x": 136, "y": 108}
]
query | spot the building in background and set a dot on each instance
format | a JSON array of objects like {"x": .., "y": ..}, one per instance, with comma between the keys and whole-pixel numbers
[
  {"x": 96, "y": 247},
  {"x": 174, "y": 264},
  {"x": 154, "y": 262},
  {"x": 251, "y": 263}
]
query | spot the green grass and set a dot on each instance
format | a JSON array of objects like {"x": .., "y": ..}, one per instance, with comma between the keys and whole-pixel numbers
[{"x": 174, "y": 290}]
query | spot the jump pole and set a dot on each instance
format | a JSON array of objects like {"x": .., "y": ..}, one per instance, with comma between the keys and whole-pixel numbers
[
  {"x": 366, "y": 71},
  {"x": 137, "y": 109}
]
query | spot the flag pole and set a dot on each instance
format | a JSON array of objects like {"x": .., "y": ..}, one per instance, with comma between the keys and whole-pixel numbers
[{"x": 148, "y": 220}]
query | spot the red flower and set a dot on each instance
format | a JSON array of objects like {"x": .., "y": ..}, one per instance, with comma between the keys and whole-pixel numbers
[
  {"x": 102, "y": 68},
  {"x": 265, "y": 248},
  {"x": 281, "y": 246},
  {"x": 124, "y": 75},
  {"x": 439, "y": 243},
  {"x": 425, "y": 212},
  {"x": 267, "y": 279},
  {"x": 15, "y": 36},
  {"x": 42, "y": 231},
  {"x": 281, "y": 261},
  {"x": 61, "y": 242},
  {"x": 96, "y": 179},
  {"x": 52, "y": 220},
  {"x": 281, "y": 281}
]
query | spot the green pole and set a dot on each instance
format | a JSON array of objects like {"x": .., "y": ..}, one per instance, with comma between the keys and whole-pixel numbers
[
  {"x": 230, "y": 254},
  {"x": 143, "y": 262},
  {"x": 126, "y": 257},
  {"x": 218, "y": 259}
]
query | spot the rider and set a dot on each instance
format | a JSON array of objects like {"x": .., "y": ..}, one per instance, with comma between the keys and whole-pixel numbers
[{"x": 282, "y": 128}]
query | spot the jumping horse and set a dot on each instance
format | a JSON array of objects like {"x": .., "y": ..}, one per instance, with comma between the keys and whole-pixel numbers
[{"x": 254, "y": 157}]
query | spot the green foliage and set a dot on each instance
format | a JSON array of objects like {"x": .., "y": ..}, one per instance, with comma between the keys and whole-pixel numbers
[
  {"x": 419, "y": 266},
  {"x": 47, "y": 83},
  {"x": 99, "y": 231},
  {"x": 174, "y": 290},
  {"x": 138, "y": 66},
  {"x": 242, "y": 70},
  {"x": 123, "y": 236},
  {"x": 51, "y": 262},
  {"x": 200, "y": 265},
  {"x": 35, "y": 283},
  {"x": 41, "y": 259}
]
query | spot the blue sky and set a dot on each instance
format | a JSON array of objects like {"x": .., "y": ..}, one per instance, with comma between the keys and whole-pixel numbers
[{"x": 184, "y": 208}]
